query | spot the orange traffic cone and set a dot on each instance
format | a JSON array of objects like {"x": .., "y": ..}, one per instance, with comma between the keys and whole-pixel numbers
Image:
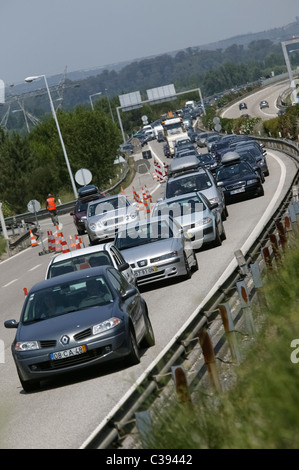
[{"x": 33, "y": 239}]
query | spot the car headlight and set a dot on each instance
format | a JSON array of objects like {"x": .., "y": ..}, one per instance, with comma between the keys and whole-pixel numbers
[
  {"x": 173, "y": 254},
  {"x": 27, "y": 346},
  {"x": 215, "y": 200},
  {"x": 204, "y": 221},
  {"x": 93, "y": 226},
  {"x": 133, "y": 215},
  {"x": 252, "y": 181},
  {"x": 106, "y": 325}
]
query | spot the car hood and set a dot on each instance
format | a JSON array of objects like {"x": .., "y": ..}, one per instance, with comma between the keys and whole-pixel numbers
[
  {"x": 150, "y": 250},
  {"x": 69, "y": 323}
]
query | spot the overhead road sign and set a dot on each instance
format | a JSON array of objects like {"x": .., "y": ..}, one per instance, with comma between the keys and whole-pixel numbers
[
  {"x": 130, "y": 101},
  {"x": 161, "y": 94}
]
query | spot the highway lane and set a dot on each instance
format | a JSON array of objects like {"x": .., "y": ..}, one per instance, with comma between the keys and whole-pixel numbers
[
  {"x": 270, "y": 94},
  {"x": 66, "y": 411}
]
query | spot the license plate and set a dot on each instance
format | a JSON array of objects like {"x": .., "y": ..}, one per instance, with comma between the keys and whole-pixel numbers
[
  {"x": 236, "y": 191},
  {"x": 68, "y": 353},
  {"x": 145, "y": 271}
]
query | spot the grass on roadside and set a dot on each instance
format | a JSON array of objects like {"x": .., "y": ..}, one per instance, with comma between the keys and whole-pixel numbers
[{"x": 261, "y": 411}]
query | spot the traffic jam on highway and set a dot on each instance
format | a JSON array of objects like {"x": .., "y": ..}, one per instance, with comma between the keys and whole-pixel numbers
[{"x": 89, "y": 308}]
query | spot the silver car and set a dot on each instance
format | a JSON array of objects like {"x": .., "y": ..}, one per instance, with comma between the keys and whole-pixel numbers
[
  {"x": 196, "y": 179},
  {"x": 157, "y": 248},
  {"x": 200, "y": 219},
  {"x": 106, "y": 215},
  {"x": 89, "y": 257}
]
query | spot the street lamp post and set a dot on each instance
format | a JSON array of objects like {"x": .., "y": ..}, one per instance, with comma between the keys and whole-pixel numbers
[
  {"x": 90, "y": 96},
  {"x": 31, "y": 79},
  {"x": 109, "y": 104}
]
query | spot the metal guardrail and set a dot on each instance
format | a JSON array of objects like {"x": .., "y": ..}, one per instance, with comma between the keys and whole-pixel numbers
[{"x": 121, "y": 422}]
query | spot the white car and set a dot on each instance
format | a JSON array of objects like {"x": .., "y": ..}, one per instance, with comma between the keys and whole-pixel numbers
[
  {"x": 91, "y": 256},
  {"x": 106, "y": 215}
]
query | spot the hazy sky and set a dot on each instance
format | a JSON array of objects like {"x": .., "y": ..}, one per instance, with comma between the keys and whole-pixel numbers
[{"x": 45, "y": 37}]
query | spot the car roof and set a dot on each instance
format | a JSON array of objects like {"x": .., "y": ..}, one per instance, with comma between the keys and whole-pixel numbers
[
  {"x": 68, "y": 277},
  {"x": 83, "y": 251}
]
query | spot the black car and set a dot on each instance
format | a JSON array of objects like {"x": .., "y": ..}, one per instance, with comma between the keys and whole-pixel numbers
[
  {"x": 238, "y": 179},
  {"x": 85, "y": 195},
  {"x": 207, "y": 160},
  {"x": 242, "y": 106},
  {"x": 78, "y": 320},
  {"x": 166, "y": 150}
]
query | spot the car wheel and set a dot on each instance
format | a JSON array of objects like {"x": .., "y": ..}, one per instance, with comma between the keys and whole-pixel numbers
[
  {"x": 133, "y": 358},
  {"x": 261, "y": 191},
  {"x": 29, "y": 385},
  {"x": 149, "y": 337},
  {"x": 80, "y": 231},
  {"x": 188, "y": 269}
]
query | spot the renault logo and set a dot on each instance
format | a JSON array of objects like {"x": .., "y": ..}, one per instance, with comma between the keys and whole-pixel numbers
[{"x": 64, "y": 340}]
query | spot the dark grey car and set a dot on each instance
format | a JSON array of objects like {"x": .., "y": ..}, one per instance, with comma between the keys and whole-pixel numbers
[{"x": 77, "y": 320}]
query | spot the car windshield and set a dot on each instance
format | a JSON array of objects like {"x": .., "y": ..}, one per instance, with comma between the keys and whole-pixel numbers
[
  {"x": 99, "y": 258},
  {"x": 179, "y": 207},
  {"x": 143, "y": 234},
  {"x": 236, "y": 170},
  {"x": 188, "y": 184},
  {"x": 206, "y": 158},
  {"x": 104, "y": 206},
  {"x": 67, "y": 297}
]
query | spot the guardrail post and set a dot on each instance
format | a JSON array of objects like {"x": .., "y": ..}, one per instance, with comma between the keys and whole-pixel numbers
[
  {"x": 281, "y": 234},
  {"x": 209, "y": 357},
  {"x": 144, "y": 426},
  {"x": 230, "y": 332},
  {"x": 267, "y": 257},
  {"x": 241, "y": 262},
  {"x": 247, "y": 312},
  {"x": 274, "y": 243},
  {"x": 181, "y": 384}
]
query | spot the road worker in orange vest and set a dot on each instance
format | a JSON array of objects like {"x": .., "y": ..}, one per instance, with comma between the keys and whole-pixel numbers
[{"x": 51, "y": 206}]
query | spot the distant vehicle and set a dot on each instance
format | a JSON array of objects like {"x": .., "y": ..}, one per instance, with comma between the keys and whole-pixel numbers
[
  {"x": 264, "y": 104},
  {"x": 85, "y": 195},
  {"x": 78, "y": 320},
  {"x": 166, "y": 150},
  {"x": 126, "y": 148},
  {"x": 209, "y": 161},
  {"x": 173, "y": 129},
  {"x": 237, "y": 179},
  {"x": 201, "y": 139},
  {"x": 160, "y": 136},
  {"x": 157, "y": 249},
  {"x": 211, "y": 139},
  {"x": 242, "y": 106}
]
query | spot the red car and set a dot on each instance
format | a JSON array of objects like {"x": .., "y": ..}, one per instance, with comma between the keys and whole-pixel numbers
[{"x": 85, "y": 195}]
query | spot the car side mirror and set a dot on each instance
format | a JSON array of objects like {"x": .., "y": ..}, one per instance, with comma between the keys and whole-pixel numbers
[
  {"x": 129, "y": 293},
  {"x": 11, "y": 324},
  {"x": 123, "y": 266}
]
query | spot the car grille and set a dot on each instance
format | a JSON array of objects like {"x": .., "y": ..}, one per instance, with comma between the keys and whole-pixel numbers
[
  {"x": 238, "y": 185},
  {"x": 69, "y": 361},
  {"x": 47, "y": 344},
  {"x": 114, "y": 221},
  {"x": 83, "y": 334}
]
